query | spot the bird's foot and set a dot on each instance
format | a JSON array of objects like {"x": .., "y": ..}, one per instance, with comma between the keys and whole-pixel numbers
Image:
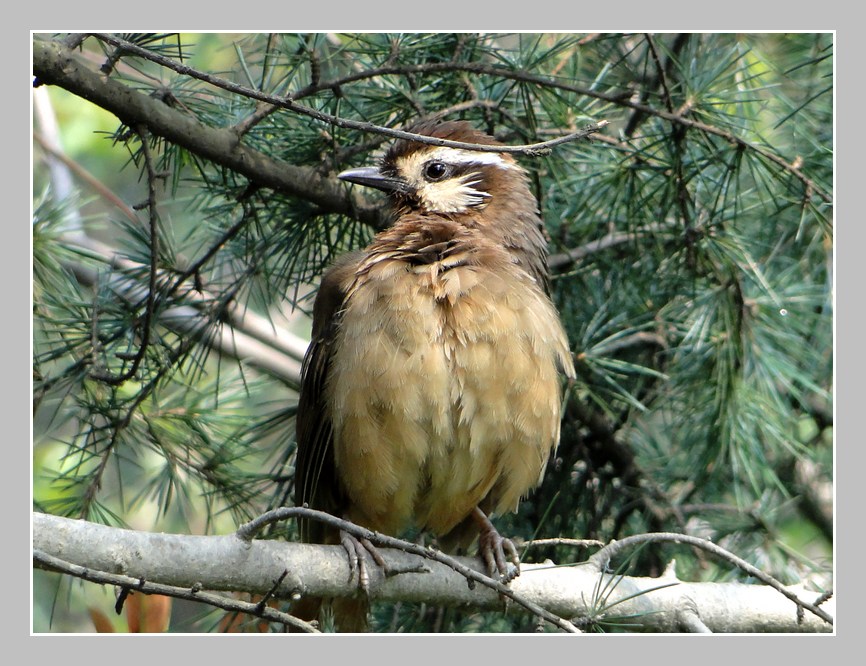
[
  {"x": 499, "y": 554},
  {"x": 358, "y": 550}
]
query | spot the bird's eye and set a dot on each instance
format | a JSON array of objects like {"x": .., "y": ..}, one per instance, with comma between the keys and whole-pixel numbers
[{"x": 435, "y": 171}]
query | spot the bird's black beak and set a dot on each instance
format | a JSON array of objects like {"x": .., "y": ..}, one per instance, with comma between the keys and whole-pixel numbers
[{"x": 373, "y": 177}]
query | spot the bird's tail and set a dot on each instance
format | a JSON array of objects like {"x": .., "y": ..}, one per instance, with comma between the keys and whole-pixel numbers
[{"x": 343, "y": 615}]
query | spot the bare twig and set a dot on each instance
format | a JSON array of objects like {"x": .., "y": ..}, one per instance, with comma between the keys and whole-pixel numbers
[
  {"x": 347, "y": 152},
  {"x": 93, "y": 182},
  {"x": 562, "y": 541},
  {"x": 661, "y": 72},
  {"x": 692, "y": 623},
  {"x": 601, "y": 558},
  {"x": 562, "y": 260},
  {"x": 146, "y": 587},
  {"x": 263, "y": 602}
]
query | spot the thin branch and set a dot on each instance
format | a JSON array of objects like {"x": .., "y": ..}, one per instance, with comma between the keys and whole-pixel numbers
[
  {"x": 641, "y": 338},
  {"x": 150, "y": 301},
  {"x": 121, "y": 423},
  {"x": 666, "y": 93},
  {"x": 242, "y": 334},
  {"x": 603, "y": 557},
  {"x": 678, "y": 134},
  {"x": 562, "y": 541},
  {"x": 95, "y": 483},
  {"x": 263, "y": 611},
  {"x": 263, "y": 110},
  {"x": 474, "y": 68},
  {"x": 562, "y": 260},
  {"x": 263, "y": 602},
  {"x": 346, "y": 153},
  {"x": 244, "y": 323},
  {"x": 146, "y": 326},
  {"x": 288, "y": 103},
  {"x": 638, "y": 117},
  {"x": 91, "y": 180},
  {"x": 692, "y": 623}
]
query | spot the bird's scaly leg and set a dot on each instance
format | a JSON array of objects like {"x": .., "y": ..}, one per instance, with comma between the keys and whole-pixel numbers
[{"x": 499, "y": 554}]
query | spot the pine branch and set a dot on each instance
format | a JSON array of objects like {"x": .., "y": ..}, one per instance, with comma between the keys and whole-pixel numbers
[
  {"x": 150, "y": 299},
  {"x": 53, "y": 64},
  {"x": 678, "y": 117},
  {"x": 288, "y": 103},
  {"x": 245, "y": 336}
]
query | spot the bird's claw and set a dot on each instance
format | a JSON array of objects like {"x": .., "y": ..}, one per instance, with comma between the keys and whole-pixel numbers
[
  {"x": 358, "y": 550},
  {"x": 499, "y": 554}
]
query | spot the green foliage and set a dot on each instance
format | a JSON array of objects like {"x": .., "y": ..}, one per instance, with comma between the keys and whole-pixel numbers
[{"x": 702, "y": 330}]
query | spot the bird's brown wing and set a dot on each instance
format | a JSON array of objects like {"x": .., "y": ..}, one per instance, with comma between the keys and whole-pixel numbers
[{"x": 316, "y": 483}]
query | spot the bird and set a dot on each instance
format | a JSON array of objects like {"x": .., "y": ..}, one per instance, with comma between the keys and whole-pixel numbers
[{"x": 432, "y": 387}]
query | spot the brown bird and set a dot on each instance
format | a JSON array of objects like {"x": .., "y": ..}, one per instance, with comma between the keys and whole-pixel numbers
[{"x": 431, "y": 391}]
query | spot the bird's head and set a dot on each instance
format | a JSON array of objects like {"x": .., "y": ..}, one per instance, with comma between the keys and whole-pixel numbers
[{"x": 444, "y": 180}]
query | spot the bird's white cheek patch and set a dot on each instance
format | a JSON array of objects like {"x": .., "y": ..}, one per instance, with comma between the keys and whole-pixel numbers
[
  {"x": 455, "y": 194},
  {"x": 451, "y": 196}
]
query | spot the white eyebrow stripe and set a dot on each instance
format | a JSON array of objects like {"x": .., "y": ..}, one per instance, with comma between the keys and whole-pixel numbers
[{"x": 460, "y": 156}]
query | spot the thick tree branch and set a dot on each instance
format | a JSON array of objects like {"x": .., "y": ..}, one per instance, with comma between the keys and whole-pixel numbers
[
  {"x": 231, "y": 563},
  {"x": 56, "y": 65},
  {"x": 472, "y": 576}
]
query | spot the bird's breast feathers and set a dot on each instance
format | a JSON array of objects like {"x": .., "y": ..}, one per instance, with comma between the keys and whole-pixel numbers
[{"x": 444, "y": 381}]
